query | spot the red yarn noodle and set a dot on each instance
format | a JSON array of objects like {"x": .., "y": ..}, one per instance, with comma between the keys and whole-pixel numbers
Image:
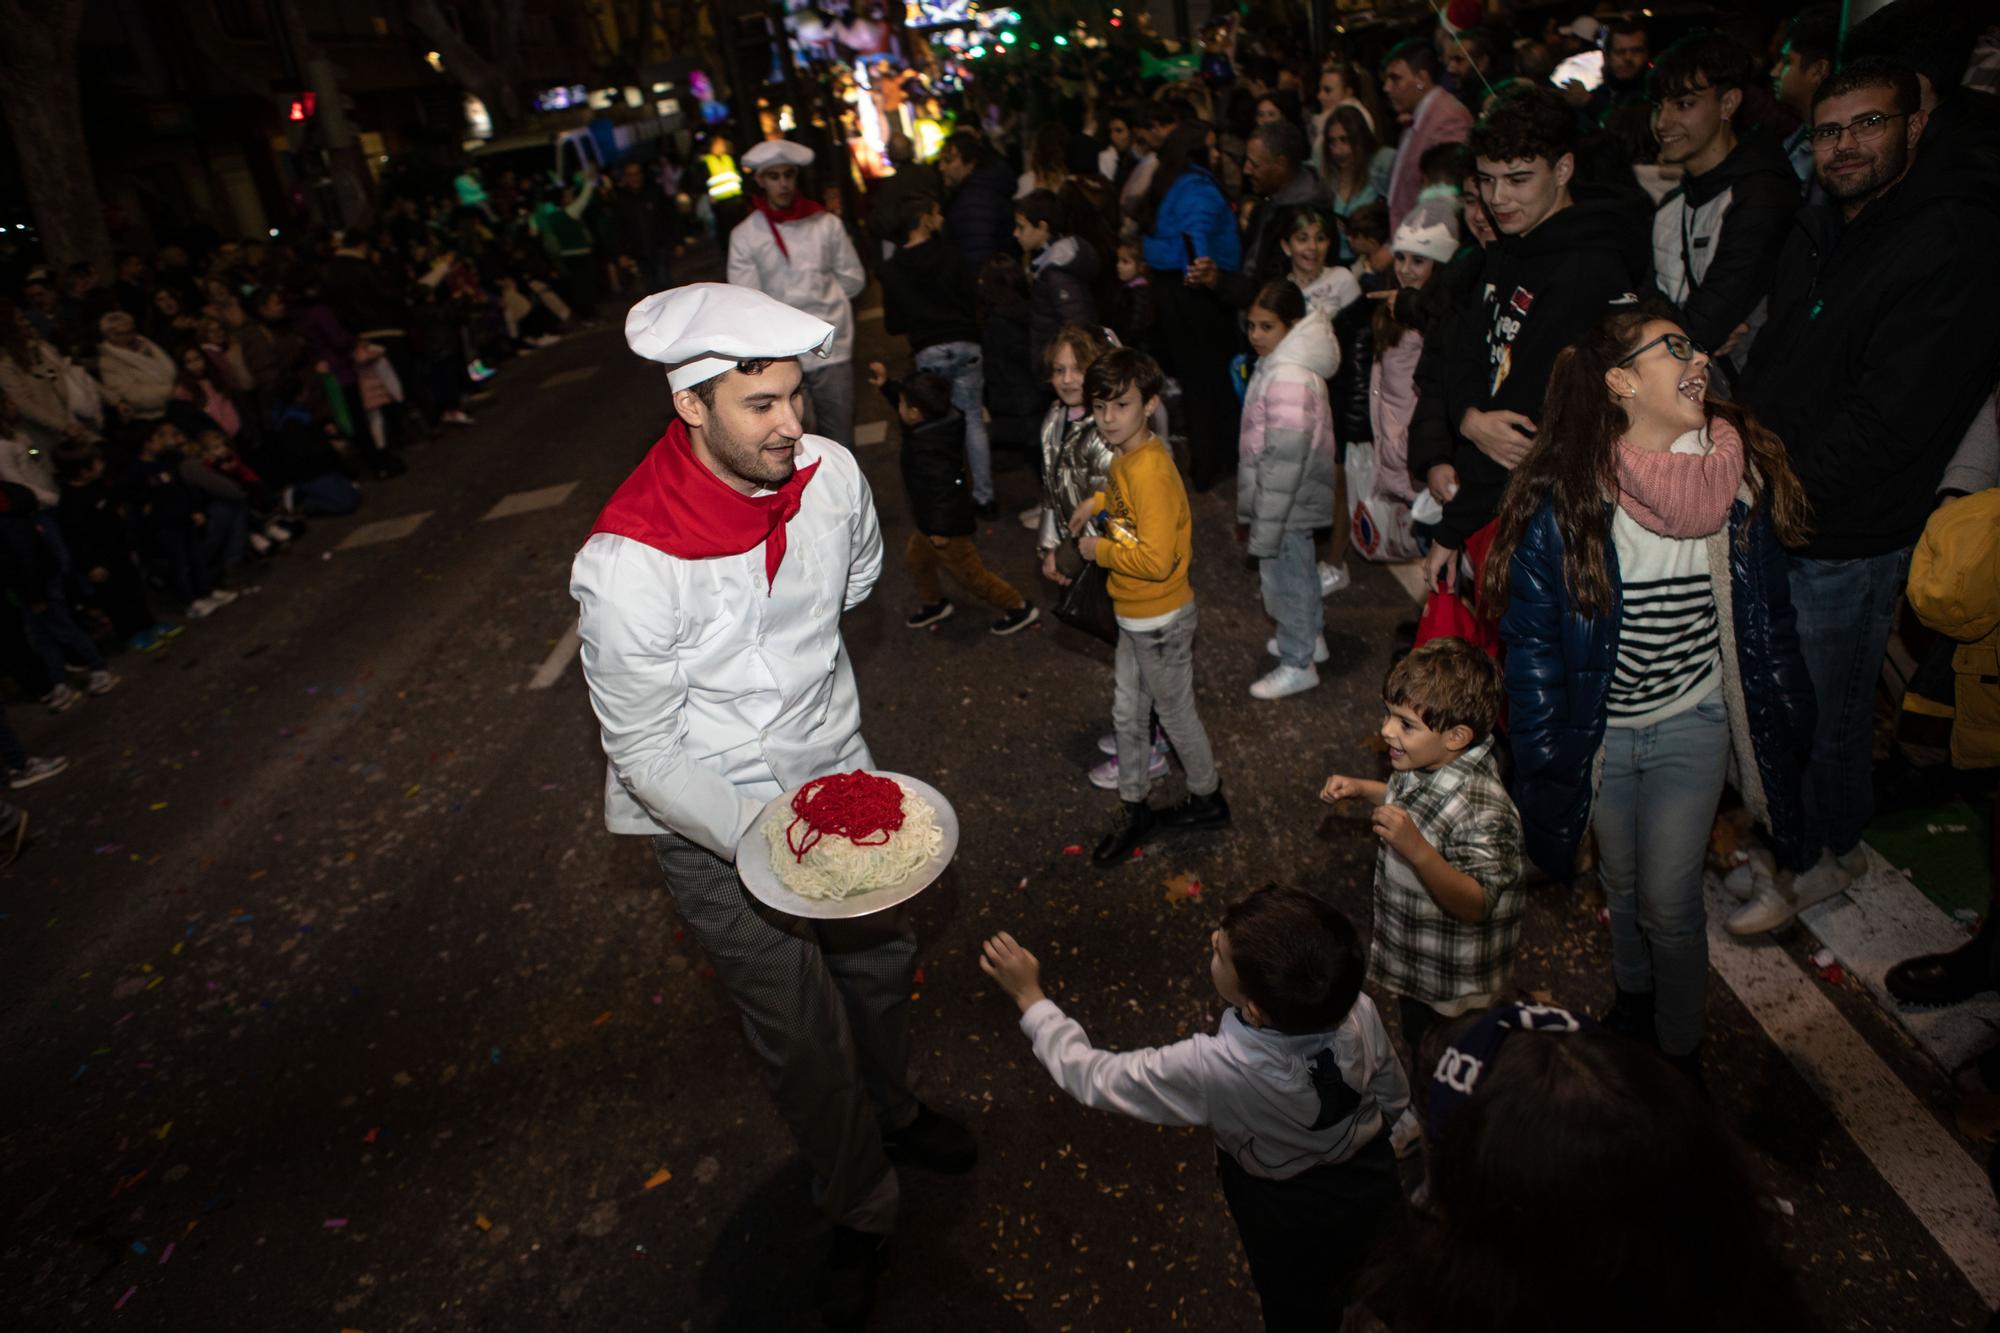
[{"x": 857, "y": 806}]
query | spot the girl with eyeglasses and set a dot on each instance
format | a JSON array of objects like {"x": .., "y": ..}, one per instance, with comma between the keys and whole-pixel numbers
[{"x": 1650, "y": 647}]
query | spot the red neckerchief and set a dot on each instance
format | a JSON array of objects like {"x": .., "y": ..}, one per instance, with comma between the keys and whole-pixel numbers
[
  {"x": 801, "y": 208},
  {"x": 673, "y": 503}
]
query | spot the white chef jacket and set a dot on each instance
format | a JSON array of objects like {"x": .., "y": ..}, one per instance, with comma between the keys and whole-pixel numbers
[
  {"x": 715, "y": 691},
  {"x": 820, "y": 278}
]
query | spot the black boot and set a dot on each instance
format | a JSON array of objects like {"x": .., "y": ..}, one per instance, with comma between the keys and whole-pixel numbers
[
  {"x": 933, "y": 1142},
  {"x": 845, "y": 1292},
  {"x": 1690, "y": 1065},
  {"x": 1198, "y": 812},
  {"x": 1117, "y": 845},
  {"x": 1933, "y": 980},
  {"x": 1630, "y": 1015}
]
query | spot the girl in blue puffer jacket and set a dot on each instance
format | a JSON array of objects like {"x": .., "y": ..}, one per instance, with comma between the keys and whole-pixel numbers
[{"x": 1650, "y": 646}]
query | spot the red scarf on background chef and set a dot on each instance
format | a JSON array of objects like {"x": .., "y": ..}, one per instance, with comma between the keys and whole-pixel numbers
[
  {"x": 673, "y": 503},
  {"x": 799, "y": 209}
]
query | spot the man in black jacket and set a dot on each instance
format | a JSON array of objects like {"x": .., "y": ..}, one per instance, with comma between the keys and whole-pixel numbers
[
  {"x": 1558, "y": 266},
  {"x": 1277, "y": 172},
  {"x": 979, "y": 210},
  {"x": 1717, "y": 235},
  {"x": 1878, "y": 350},
  {"x": 927, "y": 297}
]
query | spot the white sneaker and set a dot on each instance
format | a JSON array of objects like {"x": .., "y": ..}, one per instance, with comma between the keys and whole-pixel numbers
[
  {"x": 1105, "y": 775},
  {"x": 1284, "y": 680},
  {"x": 222, "y": 597},
  {"x": 1332, "y": 578},
  {"x": 201, "y": 608},
  {"x": 260, "y": 543},
  {"x": 102, "y": 683},
  {"x": 1786, "y": 896},
  {"x": 274, "y": 532},
  {"x": 1320, "y": 654},
  {"x": 61, "y": 699},
  {"x": 1031, "y": 517}
]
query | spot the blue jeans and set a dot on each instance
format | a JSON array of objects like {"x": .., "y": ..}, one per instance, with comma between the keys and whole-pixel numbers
[
  {"x": 960, "y": 364},
  {"x": 1655, "y": 807},
  {"x": 1291, "y": 597},
  {"x": 1845, "y": 609}
]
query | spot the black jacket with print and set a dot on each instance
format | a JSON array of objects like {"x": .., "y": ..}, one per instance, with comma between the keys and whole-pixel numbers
[{"x": 1534, "y": 296}]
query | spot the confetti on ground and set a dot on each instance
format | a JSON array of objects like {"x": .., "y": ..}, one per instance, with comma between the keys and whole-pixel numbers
[
  {"x": 335, "y": 1223},
  {"x": 601, "y": 1019},
  {"x": 658, "y": 1178},
  {"x": 167, "y": 1253},
  {"x": 157, "y": 805},
  {"x": 138, "y": 1247},
  {"x": 369, "y": 1137},
  {"x": 130, "y": 1292},
  {"x": 1138, "y": 853},
  {"x": 1182, "y": 888},
  {"x": 918, "y": 977},
  {"x": 1022, "y": 885},
  {"x": 479, "y": 1220},
  {"x": 493, "y": 1056},
  {"x": 1074, "y": 849}
]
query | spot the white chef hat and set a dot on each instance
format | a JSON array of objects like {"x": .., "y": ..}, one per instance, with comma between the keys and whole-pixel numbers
[
  {"x": 777, "y": 153},
  {"x": 702, "y": 329}
]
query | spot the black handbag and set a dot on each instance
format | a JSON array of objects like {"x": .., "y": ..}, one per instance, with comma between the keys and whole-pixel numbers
[{"x": 1086, "y": 605}]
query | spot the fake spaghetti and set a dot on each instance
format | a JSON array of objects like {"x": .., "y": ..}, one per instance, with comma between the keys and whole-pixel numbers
[{"x": 852, "y": 833}]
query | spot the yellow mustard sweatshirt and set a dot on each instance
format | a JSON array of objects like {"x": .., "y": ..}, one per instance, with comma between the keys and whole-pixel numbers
[{"x": 1151, "y": 541}]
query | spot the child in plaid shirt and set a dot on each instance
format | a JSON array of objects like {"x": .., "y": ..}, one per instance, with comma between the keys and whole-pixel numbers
[{"x": 1448, "y": 874}]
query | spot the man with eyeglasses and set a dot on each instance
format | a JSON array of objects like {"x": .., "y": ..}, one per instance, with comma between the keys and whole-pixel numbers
[
  {"x": 796, "y": 252},
  {"x": 1878, "y": 351}
]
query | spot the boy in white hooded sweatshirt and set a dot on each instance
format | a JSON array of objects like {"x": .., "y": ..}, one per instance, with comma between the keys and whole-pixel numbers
[{"x": 1299, "y": 1084}]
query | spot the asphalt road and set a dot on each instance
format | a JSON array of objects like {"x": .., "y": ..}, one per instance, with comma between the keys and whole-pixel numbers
[{"x": 326, "y": 1002}]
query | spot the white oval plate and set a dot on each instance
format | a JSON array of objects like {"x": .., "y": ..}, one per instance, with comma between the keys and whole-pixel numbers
[{"x": 753, "y": 862}]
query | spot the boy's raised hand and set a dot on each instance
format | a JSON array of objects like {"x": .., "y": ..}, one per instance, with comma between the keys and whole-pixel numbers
[
  {"x": 1014, "y": 968},
  {"x": 878, "y": 373},
  {"x": 1339, "y": 788}
]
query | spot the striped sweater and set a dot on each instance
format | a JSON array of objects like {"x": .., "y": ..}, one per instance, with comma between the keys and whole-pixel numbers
[{"x": 1669, "y": 638}]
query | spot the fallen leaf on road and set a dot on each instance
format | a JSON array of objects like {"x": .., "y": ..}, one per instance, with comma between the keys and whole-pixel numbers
[{"x": 1182, "y": 888}]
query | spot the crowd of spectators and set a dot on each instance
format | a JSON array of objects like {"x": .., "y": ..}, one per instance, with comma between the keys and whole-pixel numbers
[{"x": 168, "y": 427}]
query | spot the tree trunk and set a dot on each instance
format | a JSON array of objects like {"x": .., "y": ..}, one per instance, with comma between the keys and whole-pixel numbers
[{"x": 38, "y": 92}]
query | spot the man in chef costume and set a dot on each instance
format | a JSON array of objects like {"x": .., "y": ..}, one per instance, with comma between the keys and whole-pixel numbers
[
  {"x": 792, "y": 249},
  {"x": 711, "y": 591}
]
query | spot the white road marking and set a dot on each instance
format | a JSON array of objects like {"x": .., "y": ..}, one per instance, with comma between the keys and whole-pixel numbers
[
  {"x": 568, "y": 377},
  {"x": 872, "y": 312},
  {"x": 383, "y": 530},
  {"x": 871, "y": 432},
  {"x": 1883, "y": 919},
  {"x": 1935, "y": 1177},
  {"x": 557, "y": 662},
  {"x": 526, "y": 502}
]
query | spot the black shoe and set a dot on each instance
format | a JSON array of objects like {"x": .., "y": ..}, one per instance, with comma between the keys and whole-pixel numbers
[
  {"x": 1198, "y": 812},
  {"x": 930, "y": 615},
  {"x": 845, "y": 1292},
  {"x": 1934, "y": 980},
  {"x": 1630, "y": 1015},
  {"x": 991, "y": 509},
  {"x": 1690, "y": 1065},
  {"x": 1117, "y": 845},
  {"x": 1016, "y": 620},
  {"x": 932, "y": 1142}
]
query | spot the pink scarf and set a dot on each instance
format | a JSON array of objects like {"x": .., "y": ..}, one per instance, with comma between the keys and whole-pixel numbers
[{"x": 1682, "y": 495}]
